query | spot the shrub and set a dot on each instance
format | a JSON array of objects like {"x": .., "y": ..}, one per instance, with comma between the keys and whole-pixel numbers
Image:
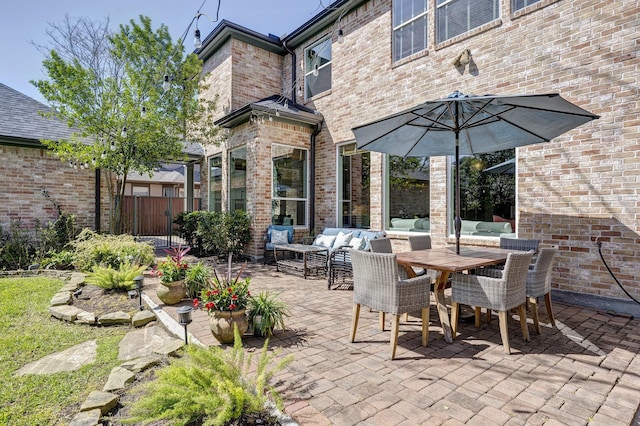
[
  {"x": 217, "y": 233},
  {"x": 111, "y": 279},
  {"x": 92, "y": 249},
  {"x": 209, "y": 386},
  {"x": 17, "y": 250},
  {"x": 61, "y": 260}
]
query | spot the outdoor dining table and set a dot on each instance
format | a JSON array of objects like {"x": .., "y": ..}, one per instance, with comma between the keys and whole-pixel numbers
[{"x": 445, "y": 261}]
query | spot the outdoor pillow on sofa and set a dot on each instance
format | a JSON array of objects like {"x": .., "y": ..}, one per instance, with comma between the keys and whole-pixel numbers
[
  {"x": 358, "y": 243},
  {"x": 342, "y": 239},
  {"x": 325, "y": 241},
  {"x": 279, "y": 237}
]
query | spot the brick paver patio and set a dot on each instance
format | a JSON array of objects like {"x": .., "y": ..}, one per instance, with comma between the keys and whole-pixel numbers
[{"x": 585, "y": 371}]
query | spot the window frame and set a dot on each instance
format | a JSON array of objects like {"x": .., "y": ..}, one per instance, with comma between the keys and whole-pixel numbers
[
  {"x": 403, "y": 25},
  {"x": 210, "y": 162},
  {"x": 526, "y": 3},
  {"x": 309, "y": 67},
  {"x": 440, "y": 7},
  {"x": 231, "y": 168},
  {"x": 305, "y": 189}
]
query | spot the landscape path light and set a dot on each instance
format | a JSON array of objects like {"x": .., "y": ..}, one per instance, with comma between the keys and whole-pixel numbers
[{"x": 184, "y": 318}]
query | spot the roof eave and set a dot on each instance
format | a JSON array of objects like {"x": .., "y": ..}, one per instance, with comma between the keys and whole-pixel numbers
[
  {"x": 243, "y": 115},
  {"x": 226, "y": 30}
]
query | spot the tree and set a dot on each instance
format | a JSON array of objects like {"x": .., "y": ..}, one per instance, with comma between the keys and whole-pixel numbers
[{"x": 111, "y": 88}]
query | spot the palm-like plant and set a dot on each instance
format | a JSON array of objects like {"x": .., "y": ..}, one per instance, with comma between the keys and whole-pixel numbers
[{"x": 266, "y": 312}]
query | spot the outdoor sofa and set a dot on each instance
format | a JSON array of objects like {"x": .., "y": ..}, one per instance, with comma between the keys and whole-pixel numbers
[{"x": 339, "y": 242}]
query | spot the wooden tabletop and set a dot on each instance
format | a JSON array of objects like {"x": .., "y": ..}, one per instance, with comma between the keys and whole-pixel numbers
[{"x": 446, "y": 259}]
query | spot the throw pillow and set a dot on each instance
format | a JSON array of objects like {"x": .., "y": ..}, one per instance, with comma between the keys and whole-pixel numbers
[
  {"x": 357, "y": 243},
  {"x": 324, "y": 240},
  {"x": 342, "y": 239},
  {"x": 279, "y": 237}
]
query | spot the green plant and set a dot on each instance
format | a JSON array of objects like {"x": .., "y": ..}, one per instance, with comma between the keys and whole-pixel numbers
[
  {"x": 210, "y": 386},
  {"x": 93, "y": 249},
  {"x": 16, "y": 246},
  {"x": 217, "y": 233},
  {"x": 225, "y": 294},
  {"x": 196, "y": 279},
  {"x": 111, "y": 279},
  {"x": 173, "y": 268},
  {"x": 58, "y": 260},
  {"x": 267, "y": 311}
]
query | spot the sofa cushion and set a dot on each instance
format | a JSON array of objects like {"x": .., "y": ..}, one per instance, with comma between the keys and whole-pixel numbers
[
  {"x": 324, "y": 240},
  {"x": 342, "y": 239},
  {"x": 279, "y": 237},
  {"x": 358, "y": 243}
]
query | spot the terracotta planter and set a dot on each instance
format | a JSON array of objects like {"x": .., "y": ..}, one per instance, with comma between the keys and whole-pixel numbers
[
  {"x": 171, "y": 293},
  {"x": 222, "y": 322}
]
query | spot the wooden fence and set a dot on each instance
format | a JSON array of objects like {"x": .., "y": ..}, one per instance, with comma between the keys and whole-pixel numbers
[{"x": 153, "y": 215}]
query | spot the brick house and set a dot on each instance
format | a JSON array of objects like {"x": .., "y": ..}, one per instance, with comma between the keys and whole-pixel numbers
[
  {"x": 33, "y": 180},
  {"x": 290, "y": 104}
]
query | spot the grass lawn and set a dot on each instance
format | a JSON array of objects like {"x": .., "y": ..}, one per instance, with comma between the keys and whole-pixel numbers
[{"x": 28, "y": 333}]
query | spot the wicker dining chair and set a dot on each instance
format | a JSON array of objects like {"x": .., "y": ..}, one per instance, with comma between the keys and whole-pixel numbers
[
  {"x": 522, "y": 244},
  {"x": 498, "y": 294},
  {"x": 539, "y": 284},
  {"x": 376, "y": 285},
  {"x": 419, "y": 242}
]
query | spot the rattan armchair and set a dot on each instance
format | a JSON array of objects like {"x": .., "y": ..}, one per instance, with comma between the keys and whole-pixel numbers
[
  {"x": 498, "y": 294},
  {"x": 376, "y": 285},
  {"x": 539, "y": 284}
]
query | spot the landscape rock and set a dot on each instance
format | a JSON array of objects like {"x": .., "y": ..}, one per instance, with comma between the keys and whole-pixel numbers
[
  {"x": 86, "y": 418},
  {"x": 65, "y": 312},
  {"x": 61, "y": 298},
  {"x": 115, "y": 318},
  {"x": 143, "y": 363},
  {"x": 104, "y": 401},
  {"x": 142, "y": 318},
  {"x": 77, "y": 278},
  {"x": 118, "y": 379},
  {"x": 141, "y": 342},
  {"x": 86, "y": 318},
  {"x": 68, "y": 360},
  {"x": 170, "y": 347}
]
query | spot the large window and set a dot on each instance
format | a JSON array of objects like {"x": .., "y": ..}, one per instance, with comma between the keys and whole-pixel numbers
[
  {"x": 353, "y": 187},
  {"x": 409, "y": 27},
  {"x": 289, "y": 192},
  {"x": 408, "y": 193},
  {"x": 238, "y": 179},
  {"x": 455, "y": 17},
  {"x": 520, "y": 4},
  {"x": 215, "y": 183},
  {"x": 317, "y": 68},
  {"x": 487, "y": 191}
]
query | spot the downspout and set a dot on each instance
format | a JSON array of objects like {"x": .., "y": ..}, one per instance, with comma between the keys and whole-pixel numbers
[
  {"x": 312, "y": 177},
  {"x": 97, "y": 201},
  {"x": 293, "y": 70}
]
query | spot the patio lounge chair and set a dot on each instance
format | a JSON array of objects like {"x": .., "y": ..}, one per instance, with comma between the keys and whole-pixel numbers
[
  {"x": 499, "y": 294},
  {"x": 276, "y": 237},
  {"x": 376, "y": 285}
]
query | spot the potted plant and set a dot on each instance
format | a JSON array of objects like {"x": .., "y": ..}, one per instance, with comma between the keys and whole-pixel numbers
[
  {"x": 226, "y": 300},
  {"x": 196, "y": 279},
  {"x": 172, "y": 272},
  {"x": 266, "y": 312}
]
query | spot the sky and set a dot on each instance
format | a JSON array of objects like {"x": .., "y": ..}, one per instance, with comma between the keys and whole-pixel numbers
[{"x": 25, "y": 21}]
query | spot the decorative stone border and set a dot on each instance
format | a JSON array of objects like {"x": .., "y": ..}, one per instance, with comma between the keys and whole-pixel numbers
[{"x": 61, "y": 307}]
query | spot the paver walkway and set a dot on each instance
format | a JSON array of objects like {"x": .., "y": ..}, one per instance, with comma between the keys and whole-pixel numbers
[{"x": 584, "y": 372}]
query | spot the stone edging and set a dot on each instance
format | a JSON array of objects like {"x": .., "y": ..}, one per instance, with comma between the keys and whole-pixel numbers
[{"x": 61, "y": 307}]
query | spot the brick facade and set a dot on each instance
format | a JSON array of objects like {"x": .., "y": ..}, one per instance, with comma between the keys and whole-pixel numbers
[
  {"x": 580, "y": 188},
  {"x": 29, "y": 172}
]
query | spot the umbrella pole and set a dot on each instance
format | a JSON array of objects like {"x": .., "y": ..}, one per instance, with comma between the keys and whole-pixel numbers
[{"x": 458, "y": 221}]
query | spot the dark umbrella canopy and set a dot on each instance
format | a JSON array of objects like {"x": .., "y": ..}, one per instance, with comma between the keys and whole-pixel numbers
[
  {"x": 465, "y": 125},
  {"x": 505, "y": 168}
]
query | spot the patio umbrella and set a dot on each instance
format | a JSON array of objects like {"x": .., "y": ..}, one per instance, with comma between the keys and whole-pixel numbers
[
  {"x": 465, "y": 125},
  {"x": 505, "y": 168}
]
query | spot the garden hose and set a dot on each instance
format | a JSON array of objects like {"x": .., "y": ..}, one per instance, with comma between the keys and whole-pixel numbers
[{"x": 599, "y": 243}]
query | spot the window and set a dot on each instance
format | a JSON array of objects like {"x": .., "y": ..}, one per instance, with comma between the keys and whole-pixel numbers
[
  {"x": 487, "y": 189},
  {"x": 169, "y": 191},
  {"x": 408, "y": 192},
  {"x": 317, "y": 68},
  {"x": 140, "y": 190},
  {"x": 521, "y": 4},
  {"x": 238, "y": 179},
  {"x": 215, "y": 183},
  {"x": 289, "y": 192},
  {"x": 353, "y": 187},
  {"x": 409, "y": 27},
  {"x": 455, "y": 17}
]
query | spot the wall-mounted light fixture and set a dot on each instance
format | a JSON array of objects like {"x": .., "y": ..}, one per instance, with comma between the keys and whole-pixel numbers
[{"x": 463, "y": 59}]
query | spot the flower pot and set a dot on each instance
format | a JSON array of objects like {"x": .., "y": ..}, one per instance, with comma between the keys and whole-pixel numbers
[
  {"x": 171, "y": 293},
  {"x": 257, "y": 327},
  {"x": 222, "y": 322}
]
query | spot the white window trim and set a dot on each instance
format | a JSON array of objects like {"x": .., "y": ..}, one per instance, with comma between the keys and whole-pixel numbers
[{"x": 308, "y": 183}]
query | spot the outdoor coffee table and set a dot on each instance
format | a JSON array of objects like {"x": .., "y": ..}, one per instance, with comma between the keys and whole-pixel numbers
[
  {"x": 445, "y": 261},
  {"x": 305, "y": 258}
]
